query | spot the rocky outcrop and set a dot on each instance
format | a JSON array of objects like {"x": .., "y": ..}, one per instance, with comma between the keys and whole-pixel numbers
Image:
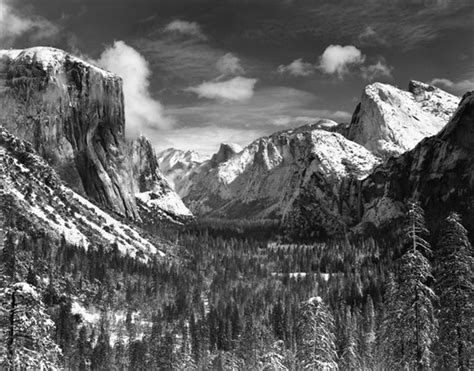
[
  {"x": 389, "y": 121},
  {"x": 155, "y": 197},
  {"x": 439, "y": 172},
  {"x": 266, "y": 178},
  {"x": 38, "y": 202},
  {"x": 225, "y": 152},
  {"x": 73, "y": 114}
]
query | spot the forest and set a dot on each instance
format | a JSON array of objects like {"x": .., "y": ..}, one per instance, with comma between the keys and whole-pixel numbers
[{"x": 237, "y": 297}]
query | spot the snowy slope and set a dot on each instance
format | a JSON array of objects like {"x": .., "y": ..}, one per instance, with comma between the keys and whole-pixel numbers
[
  {"x": 38, "y": 196},
  {"x": 389, "y": 121}
]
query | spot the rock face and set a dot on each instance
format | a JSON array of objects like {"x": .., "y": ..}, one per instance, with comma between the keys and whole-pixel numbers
[
  {"x": 389, "y": 121},
  {"x": 439, "y": 172},
  {"x": 39, "y": 203},
  {"x": 226, "y": 152},
  {"x": 266, "y": 177},
  {"x": 73, "y": 114},
  {"x": 155, "y": 196}
]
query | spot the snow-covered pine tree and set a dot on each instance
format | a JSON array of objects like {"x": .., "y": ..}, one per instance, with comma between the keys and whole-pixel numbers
[
  {"x": 315, "y": 336},
  {"x": 389, "y": 341},
  {"x": 185, "y": 357},
  {"x": 25, "y": 330},
  {"x": 412, "y": 306},
  {"x": 350, "y": 357},
  {"x": 454, "y": 273},
  {"x": 273, "y": 360}
]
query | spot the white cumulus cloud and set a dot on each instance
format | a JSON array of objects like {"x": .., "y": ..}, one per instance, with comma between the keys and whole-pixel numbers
[
  {"x": 14, "y": 23},
  {"x": 229, "y": 64},
  {"x": 185, "y": 28},
  {"x": 236, "y": 89},
  {"x": 297, "y": 68},
  {"x": 337, "y": 59},
  {"x": 142, "y": 111}
]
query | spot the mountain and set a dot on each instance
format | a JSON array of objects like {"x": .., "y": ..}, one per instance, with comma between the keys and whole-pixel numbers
[
  {"x": 264, "y": 179},
  {"x": 155, "y": 197},
  {"x": 176, "y": 165},
  {"x": 40, "y": 203},
  {"x": 73, "y": 114},
  {"x": 439, "y": 172},
  {"x": 389, "y": 121}
]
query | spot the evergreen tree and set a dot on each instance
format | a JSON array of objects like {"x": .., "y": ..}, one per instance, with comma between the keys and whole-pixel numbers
[
  {"x": 274, "y": 359},
  {"x": 368, "y": 335},
  {"x": 25, "y": 330},
  {"x": 102, "y": 353},
  {"x": 411, "y": 311},
  {"x": 454, "y": 273},
  {"x": 350, "y": 356},
  {"x": 315, "y": 336}
]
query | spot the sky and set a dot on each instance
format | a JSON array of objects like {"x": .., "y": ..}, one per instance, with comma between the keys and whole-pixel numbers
[{"x": 198, "y": 73}]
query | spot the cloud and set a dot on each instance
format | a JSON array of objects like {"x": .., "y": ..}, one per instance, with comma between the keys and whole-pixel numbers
[
  {"x": 185, "y": 28},
  {"x": 214, "y": 121},
  {"x": 15, "y": 24},
  {"x": 337, "y": 59},
  {"x": 297, "y": 68},
  {"x": 141, "y": 109},
  {"x": 204, "y": 139},
  {"x": 377, "y": 71},
  {"x": 236, "y": 89},
  {"x": 229, "y": 64},
  {"x": 370, "y": 37},
  {"x": 457, "y": 87}
]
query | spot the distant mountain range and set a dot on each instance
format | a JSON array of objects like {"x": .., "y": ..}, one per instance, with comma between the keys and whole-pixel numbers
[{"x": 329, "y": 178}]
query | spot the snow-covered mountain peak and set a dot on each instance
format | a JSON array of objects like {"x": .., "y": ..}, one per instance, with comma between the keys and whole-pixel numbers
[
  {"x": 390, "y": 121},
  {"x": 50, "y": 59}
]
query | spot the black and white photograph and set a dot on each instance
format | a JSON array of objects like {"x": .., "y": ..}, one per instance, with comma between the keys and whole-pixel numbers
[{"x": 237, "y": 185}]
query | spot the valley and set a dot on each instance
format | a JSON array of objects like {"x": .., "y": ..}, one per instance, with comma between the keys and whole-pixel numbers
[{"x": 325, "y": 246}]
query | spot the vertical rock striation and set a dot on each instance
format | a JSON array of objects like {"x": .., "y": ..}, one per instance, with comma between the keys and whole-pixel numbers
[{"x": 73, "y": 114}]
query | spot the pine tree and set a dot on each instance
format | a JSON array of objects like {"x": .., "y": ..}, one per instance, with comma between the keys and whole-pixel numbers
[
  {"x": 273, "y": 360},
  {"x": 315, "y": 336},
  {"x": 412, "y": 322},
  {"x": 102, "y": 353},
  {"x": 454, "y": 273},
  {"x": 389, "y": 341},
  {"x": 25, "y": 330},
  {"x": 368, "y": 335},
  {"x": 350, "y": 357}
]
